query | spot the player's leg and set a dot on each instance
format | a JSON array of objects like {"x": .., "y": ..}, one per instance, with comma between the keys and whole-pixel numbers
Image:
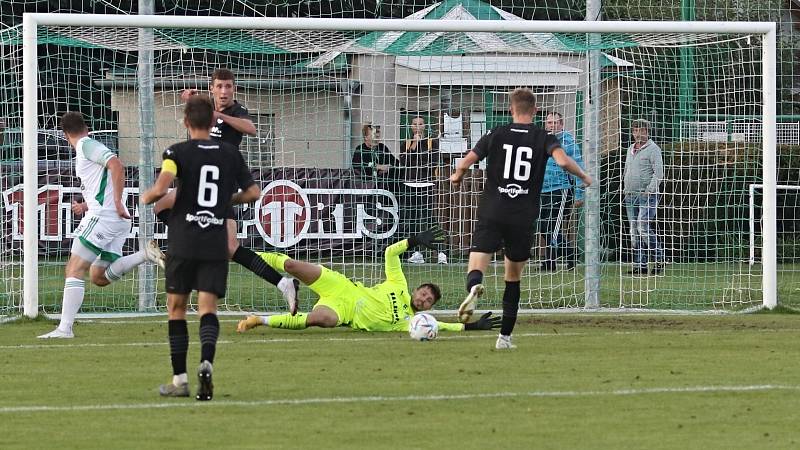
[
  {"x": 486, "y": 240},
  {"x": 111, "y": 266},
  {"x": 179, "y": 277},
  {"x": 80, "y": 260},
  {"x": 516, "y": 239},
  {"x": 335, "y": 307},
  {"x": 178, "y": 346}
]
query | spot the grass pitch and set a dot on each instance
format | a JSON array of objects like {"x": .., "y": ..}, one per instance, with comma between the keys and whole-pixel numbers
[{"x": 574, "y": 382}]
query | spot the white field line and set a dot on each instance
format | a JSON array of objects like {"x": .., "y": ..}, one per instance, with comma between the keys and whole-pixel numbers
[
  {"x": 174, "y": 403},
  {"x": 395, "y": 337}
]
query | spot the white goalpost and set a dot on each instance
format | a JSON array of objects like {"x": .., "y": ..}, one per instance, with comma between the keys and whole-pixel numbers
[{"x": 312, "y": 84}]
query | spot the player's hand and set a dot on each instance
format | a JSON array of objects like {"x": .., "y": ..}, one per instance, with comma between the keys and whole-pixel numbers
[
  {"x": 457, "y": 177},
  {"x": 78, "y": 208},
  {"x": 122, "y": 211},
  {"x": 187, "y": 94},
  {"x": 578, "y": 203},
  {"x": 427, "y": 238},
  {"x": 486, "y": 322}
]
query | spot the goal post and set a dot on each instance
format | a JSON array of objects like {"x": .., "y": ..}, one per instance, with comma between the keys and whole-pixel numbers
[{"x": 623, "y": 33}]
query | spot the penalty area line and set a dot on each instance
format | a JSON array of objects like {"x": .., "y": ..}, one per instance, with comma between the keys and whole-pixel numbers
[{"x": 170, "y": 404}]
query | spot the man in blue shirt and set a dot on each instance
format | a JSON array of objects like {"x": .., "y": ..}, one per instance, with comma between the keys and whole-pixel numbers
[{"x": 557, "y": 199}]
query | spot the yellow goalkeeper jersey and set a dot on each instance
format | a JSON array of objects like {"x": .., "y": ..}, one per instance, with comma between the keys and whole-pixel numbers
[{"x": 387, "y": 306}]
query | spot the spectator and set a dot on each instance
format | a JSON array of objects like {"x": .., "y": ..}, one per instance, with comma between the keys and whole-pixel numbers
[
  {"x": 421, "y": 161},
  {"x": 372, "y": 158},
  {"x": 644, "y": 170},
  {"x": 557, "y": 200}
]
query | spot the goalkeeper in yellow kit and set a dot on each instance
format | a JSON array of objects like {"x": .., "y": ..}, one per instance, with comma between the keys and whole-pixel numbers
[{"x": 387, "y": 306}]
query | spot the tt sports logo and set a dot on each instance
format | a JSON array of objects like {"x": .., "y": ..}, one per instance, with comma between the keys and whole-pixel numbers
[{"x": 287, "y": 213}]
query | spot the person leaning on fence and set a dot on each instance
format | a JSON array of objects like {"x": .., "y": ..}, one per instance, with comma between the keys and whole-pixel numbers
[
  {"x": 644, "y": 170},
  {"x": 421, "y": 161}
]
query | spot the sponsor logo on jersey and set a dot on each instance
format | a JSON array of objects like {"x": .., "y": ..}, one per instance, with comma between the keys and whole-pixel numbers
[
  {"x": 204, "y": 219},
  {"x": 512, "y": 190}
]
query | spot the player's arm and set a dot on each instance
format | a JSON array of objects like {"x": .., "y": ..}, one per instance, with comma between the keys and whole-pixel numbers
[
  {"x": 569, "y": 164},
  {"x": 394, "y": 269},
  {"x": 117, "y": 170},
  {"x": 246, "y": 196},
  {"x": 242, "y": 124},
  {"x": 169, "y": 170},
  {"x": 244, "y": 179},
  {"x": 461, "y": 168}
]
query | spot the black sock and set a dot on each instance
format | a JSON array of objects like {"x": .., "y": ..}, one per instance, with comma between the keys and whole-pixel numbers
[
  {"x": 209, "y": 332},
  {"x": 163, "y": 215},
  {"x": 178, "y": 345},
  {"x": 474, "y": 277},
  {"x": 255, "y": 264},
  {"x": 510, "y": 307}
]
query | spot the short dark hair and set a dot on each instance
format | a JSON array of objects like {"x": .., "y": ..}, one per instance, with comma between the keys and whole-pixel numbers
[
  {"x": 435, "y": 290},
  {"x": 72, "y": 123},
  {"x": 524, "y": 101},
  {"x": 199, "y": 112},
  {"x": 557, "y": 115},
  {"x": 641, "y": 123},
  {"x": 222, "y": 74}
]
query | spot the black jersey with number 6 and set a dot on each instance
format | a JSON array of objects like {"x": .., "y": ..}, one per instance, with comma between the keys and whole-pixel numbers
[
  {"x": 209, "y": 173},
  {"x": 517, "y": 156}
]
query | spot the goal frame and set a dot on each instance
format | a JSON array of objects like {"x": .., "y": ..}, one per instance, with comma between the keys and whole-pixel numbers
[{"x": 31, "y": 22}]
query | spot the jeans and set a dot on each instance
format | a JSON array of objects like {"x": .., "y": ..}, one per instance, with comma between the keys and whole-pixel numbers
[{"x": 641, "y": 209}]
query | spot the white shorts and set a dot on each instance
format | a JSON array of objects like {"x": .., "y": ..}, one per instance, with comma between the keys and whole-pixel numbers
[{"x": 102, "y": 235}]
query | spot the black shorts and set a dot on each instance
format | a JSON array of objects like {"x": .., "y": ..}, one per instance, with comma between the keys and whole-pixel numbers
[
  {"x": 186, "y": 275},
  {"x": 516, "y": 240}
]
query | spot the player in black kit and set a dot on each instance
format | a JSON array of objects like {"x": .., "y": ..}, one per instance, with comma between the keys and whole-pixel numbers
[
  {"x": 209, "y": 173},
  {"x": 231, "y": 122},
  {"x": 517, "y": 155}
]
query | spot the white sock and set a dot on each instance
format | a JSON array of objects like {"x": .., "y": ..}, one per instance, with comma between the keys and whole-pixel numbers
[
  {"x": 71, "y": 303},
  {"x": 180, "y": 379},
  {"x": 264, "y": 320},
  {"x": 123, "y": 265}
]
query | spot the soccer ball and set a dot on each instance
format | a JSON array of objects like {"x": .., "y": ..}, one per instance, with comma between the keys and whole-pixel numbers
[{"x": 423, "y": 327}]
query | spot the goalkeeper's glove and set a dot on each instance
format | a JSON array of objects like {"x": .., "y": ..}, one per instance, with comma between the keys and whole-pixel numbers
[
  {"x": 427, "y": 238},
  {"x": 486, "y": 322}
]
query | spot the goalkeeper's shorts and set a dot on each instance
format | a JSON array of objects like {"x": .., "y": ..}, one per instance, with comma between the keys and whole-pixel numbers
[{"x": 338, "y": 293}]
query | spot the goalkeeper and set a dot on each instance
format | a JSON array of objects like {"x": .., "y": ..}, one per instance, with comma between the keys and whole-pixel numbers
[{"x": 387, "y": 306}]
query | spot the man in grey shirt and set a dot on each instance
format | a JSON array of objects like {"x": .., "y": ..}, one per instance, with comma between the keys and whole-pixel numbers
[{"x": 644, "y": 170}]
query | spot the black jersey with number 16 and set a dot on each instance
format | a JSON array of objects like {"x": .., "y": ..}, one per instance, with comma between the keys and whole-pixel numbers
[
  {"x": 516, "y": 158},
  {"x": 209, "y": 173}
]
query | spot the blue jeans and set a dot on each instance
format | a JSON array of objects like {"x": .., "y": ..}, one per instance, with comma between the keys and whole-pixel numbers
[{"x": 641, "y": 209}]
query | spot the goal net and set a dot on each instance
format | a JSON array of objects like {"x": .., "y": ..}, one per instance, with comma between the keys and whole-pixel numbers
[{"x": 324, "y": 94}]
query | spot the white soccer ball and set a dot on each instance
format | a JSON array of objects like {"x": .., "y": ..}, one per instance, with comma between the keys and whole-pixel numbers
[{"x": 423, "y": 327}]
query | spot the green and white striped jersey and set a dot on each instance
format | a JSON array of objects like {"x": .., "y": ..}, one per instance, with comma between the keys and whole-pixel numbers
[{"x": 90, "y": 166}]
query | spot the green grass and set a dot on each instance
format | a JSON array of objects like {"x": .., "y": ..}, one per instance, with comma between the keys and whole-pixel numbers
[
  {"x": 712, "y": 382},
  {"x": 684, "y": 286}
]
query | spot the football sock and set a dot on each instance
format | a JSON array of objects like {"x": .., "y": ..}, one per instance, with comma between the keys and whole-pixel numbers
[
  {"x": 474, "y": 277},
  {"x": 71, "y": 302},
  {"x": 275, "y": 260},
  {"x": 258, "y": 266},
  {"x": 209, "y": 332},
  {"x": 288, "y": 321},
  {"x": 121, "y": 266},
  {"x": 510, "y": 307},
  {"x": 178, "y": 345}
]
